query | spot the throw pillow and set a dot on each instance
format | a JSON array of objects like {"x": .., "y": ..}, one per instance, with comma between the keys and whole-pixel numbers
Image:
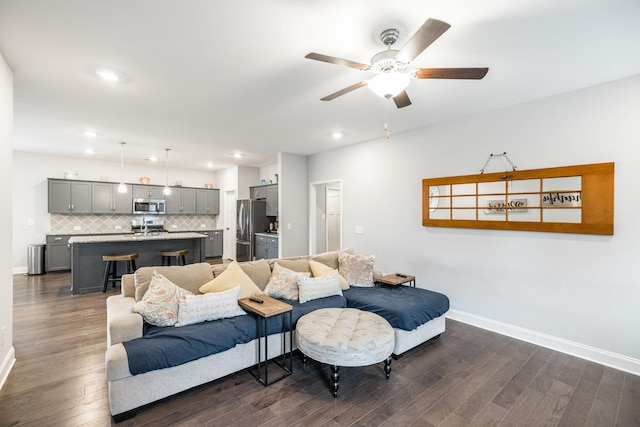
[
  {"x": 284, "y": 282},
  {"x": 356, "y": 269},
  {"x": 319, "y": 269},
  {"x": 211, "y": 306},
  {"x": 159, "y": 305},
  {"x": 311, "y": 288},
  {"x": 230, "y": 278}
]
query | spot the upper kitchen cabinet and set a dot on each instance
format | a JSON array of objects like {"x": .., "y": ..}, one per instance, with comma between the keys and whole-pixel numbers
[
  {"x": 67, "y": 197},
  {"x": 207, "y": 201},
  {"x": 181, "y": 201},
  {"x": 148, "y": 192},
  {"x": 106, "y": 199},
  {"x": 268, "y": 193}
]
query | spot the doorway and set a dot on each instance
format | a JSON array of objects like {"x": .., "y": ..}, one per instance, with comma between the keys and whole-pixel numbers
[
  {"x": 325, "y": 224},
  {"x": 229, "y": 225}
]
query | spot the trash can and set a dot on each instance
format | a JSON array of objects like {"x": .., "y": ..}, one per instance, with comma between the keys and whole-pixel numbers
[{"x": 35, "y": 259}]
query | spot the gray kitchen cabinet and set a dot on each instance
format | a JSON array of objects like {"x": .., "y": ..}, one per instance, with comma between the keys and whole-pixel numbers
[
  {"x": 69, "y": 197},
  {"x": 57, "y": 253},
  {"x": 106, "y": 199},
  {"x": 266, "y": 247},
  {"x": 272, "y": 200},
  {"x": 213, "y": 243},
  {"x": 207, "y": 201},
  {"x": 268, "y": 193},
  {"x": 181, "y": 201},
  {"x": 148, "y": 192}
]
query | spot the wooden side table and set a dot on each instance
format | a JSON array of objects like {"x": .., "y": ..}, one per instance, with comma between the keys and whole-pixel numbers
[
  {"x": 270, "y": 308},
  {"x": 395, "y": 280}
]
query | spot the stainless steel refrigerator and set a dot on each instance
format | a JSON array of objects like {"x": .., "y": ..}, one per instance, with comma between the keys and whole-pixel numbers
[{"x": 251, "y": 218}]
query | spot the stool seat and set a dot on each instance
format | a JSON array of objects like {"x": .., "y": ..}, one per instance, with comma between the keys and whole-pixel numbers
[
  {"x": 179, "y": 255},
  {"x": 110, "y": 271}
]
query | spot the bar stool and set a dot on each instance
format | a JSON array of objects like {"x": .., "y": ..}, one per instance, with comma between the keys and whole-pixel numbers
[
  {"x": 110, "y": 271},
  {"x": 178, "y": 255}
]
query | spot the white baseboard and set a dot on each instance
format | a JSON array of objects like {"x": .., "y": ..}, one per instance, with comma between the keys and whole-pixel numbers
[
  {"x": 20, "y": 270},
  {"x": 582, "y": 351},
  {"x": 6, "y": 366}
]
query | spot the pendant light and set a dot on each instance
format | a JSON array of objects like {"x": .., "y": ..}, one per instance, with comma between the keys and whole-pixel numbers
[
  {"x": 167, "y": 190},
  {"x": 122, "y": 187}
]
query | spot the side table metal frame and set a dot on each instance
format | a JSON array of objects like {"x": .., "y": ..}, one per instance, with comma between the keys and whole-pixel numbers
[{"x": 255, "y": 371}]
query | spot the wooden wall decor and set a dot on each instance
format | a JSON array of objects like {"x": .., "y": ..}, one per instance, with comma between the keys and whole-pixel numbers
[{"x": 568, "y": 199}]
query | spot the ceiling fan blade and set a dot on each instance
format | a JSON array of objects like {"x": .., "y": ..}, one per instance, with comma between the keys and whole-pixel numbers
[
  {"x": 451, "y": 73},
  {"x": 343, "y": 91},
  {"x": 427, "y": 34},
  {"x": 337, "y": 61},
  {"x": 402, "y": 99}
]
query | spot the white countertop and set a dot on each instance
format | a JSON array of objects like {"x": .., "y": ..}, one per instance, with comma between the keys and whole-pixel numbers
[
  {"x": 106, "y": 238},
  {"x": 276, "y": 235}
]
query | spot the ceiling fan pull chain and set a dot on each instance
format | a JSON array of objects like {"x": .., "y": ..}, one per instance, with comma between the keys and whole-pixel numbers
[{"x": 386, "y": 119}]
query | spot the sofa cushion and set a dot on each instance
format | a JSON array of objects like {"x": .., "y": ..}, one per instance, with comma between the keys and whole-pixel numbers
[
  {"x": 211, "y": 306},
  {"x": 356, "y": 269},
  {"x": 230, "y": 278},
  {"x": 330, "y": 258},
  {"x": 159, "y": 305},
  {"x": 284, "y": 282},
  {"x": 299, "y": 264},
  {"x": 189, "y": 277},
  {"x": 311, "y": 288},
  {"x": 319, "y": 269},
  {"x": 259, "y": 271}
]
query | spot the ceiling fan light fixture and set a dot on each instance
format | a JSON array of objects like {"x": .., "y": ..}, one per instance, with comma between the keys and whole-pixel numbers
[{"x": 388, "y": 85}]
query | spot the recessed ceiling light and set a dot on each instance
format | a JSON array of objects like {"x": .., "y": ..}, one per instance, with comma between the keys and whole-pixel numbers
[
  {"x": 237, "y": 155},
  {"x": 152, "y": 158},
  {"x": 108, "y": 75},
  {"x": 89, "y": 134},
  {"x": 336, "y": 135},
  {"x": 209, "y": 164},
  {"x": 89, "y": 151}
]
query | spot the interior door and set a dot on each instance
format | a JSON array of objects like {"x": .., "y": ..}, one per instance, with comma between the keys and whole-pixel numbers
[{"x": 333, "y": 219}]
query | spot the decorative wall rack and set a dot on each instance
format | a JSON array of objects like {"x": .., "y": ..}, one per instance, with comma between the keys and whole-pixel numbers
[{"x": 568, "y": 199}]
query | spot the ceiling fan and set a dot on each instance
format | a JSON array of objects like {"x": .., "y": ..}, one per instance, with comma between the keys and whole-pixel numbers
[{"x": 392, "y": 66}]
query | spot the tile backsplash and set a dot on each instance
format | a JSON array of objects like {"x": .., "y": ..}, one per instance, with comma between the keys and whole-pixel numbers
[{"x": 103, "y": 224}]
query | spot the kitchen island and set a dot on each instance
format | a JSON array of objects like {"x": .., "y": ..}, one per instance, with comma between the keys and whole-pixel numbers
[{"x": 87, "y": 267}]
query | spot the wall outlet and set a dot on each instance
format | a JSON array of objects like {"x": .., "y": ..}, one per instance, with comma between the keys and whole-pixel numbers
[
  {"x": 3, "y": 335},
  {"x": 288, "y": 226},
  {"x": 30, "y": 221},
  {"x": 77, "y": 228},
  {"x": 174, "y": 225},
  {"x": 118, "y": 227},
  {"x": 203, "y": 225},
  {"x": 359, "y": 229}
]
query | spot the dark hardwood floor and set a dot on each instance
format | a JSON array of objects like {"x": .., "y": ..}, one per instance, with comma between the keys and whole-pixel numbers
[{"x": 467, "y": 377}]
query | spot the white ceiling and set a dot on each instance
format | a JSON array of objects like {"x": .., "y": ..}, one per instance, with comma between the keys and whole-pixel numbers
[{"x": 209, "y": 78}]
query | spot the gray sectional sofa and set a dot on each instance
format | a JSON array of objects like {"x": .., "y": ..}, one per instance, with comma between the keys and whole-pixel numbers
[{"x": 128, "y": 392}]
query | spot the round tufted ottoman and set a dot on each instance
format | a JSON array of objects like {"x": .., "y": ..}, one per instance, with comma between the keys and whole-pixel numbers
[{"x": 345, "y": 337}]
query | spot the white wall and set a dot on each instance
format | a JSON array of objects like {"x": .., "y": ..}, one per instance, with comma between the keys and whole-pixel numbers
[
  {"x": 30, "y": 173},
  {"x": 7, "y": 353},
  {"x": 293, "y": 205},
  {"x": 577, "y": 293}
]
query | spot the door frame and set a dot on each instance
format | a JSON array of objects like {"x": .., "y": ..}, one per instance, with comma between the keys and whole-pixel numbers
[{"x": 313, "y": 220}]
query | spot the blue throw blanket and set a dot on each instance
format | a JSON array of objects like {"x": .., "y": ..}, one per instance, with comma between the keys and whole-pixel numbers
[
  {"x": 404, "y": 307},
  {"x": 163, "y": 347}
]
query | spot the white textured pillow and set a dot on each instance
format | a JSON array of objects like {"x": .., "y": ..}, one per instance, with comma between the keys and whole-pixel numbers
[
  {"x": 210, "y": 306},
  {"x": 311, "y": 288},
  {"x": 159, "y": 305},
  {"x": 284, "y": 282},
  {"x": 356, "y": 269}
]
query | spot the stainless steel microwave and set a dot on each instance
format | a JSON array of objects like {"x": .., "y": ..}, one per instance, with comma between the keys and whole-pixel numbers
[{"x": 148, "y": 206}]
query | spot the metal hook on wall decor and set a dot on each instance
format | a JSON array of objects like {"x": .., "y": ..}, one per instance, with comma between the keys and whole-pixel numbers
[{"x": 492, "y": 156}]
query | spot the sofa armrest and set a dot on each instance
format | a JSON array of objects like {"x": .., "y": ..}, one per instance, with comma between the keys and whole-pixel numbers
[
  {"x": 128, "y": 285},
  {"x": 122, "y": 324}
]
